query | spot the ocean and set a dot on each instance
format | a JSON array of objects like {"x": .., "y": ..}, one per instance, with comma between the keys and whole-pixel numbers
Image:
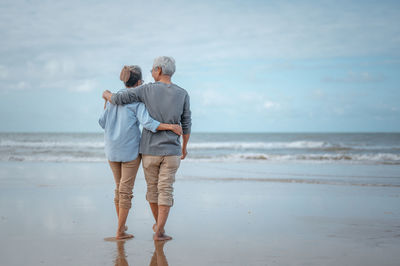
[{"x": 325, "y": 148}]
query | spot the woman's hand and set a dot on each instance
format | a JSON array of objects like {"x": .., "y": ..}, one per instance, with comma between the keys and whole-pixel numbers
[{"x": 177, "y": 129}]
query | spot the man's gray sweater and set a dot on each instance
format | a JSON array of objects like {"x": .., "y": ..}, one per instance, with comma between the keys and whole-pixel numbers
[{"x": 167, "y": 103}]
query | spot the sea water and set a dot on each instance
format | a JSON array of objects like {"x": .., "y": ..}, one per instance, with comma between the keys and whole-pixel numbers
[{"x": 332, "y": 148}]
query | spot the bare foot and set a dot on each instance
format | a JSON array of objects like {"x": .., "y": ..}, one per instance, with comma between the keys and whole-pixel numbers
[
  {"x": 123, "y": 236},
  {"x": 155, "y": 229},
  {"x": 161, "y": 237}
]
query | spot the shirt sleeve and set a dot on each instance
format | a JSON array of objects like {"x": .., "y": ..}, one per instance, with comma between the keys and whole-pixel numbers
[
  {"x": 103, "y": 117},
  {"x": 128, "y": 96},
  {"x": 145, "y": 119},
  {"x": 186, "y": 117}
]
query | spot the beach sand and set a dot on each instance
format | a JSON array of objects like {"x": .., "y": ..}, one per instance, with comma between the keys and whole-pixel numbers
[{"x": 224, "y": 214}]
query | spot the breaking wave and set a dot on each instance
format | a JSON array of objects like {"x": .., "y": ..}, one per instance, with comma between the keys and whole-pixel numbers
[
  {"x": 380, "y": 158},
  {"x": 284, "y": 145}
]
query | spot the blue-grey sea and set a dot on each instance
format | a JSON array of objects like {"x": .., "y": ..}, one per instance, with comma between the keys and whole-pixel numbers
[{"x": 332, "y": 148}]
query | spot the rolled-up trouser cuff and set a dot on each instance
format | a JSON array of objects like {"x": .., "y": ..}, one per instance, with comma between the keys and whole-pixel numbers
[
  {"x": 123, "y": 200},
  {"x": 124, "y": 175},
  {"x": 160, "y": 175}
]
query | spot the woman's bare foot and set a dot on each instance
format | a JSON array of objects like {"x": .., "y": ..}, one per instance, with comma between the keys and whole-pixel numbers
[
  {"x": 123, "y": 236},
  {"x": 161, "y": 237}
]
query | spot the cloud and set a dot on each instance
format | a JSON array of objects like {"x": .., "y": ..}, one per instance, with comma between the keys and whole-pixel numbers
[
  {"x": 84, "y": 86},
  {"x": 230, "y": 54},
  {"x": 271, "y": 105},
  {"x": 353, "y": 77},
  {"x": 213, "y": 98},
  {"x": 219, "y": 97},
  {"x": 339, "y": 110},
  {"x": 318, "y": 94},
  {"x": 59, "y": 42},
  {"x": 59, "y": 67},
  {"x": 3, "y": 72},
  {"x": 224, "y": 30}
]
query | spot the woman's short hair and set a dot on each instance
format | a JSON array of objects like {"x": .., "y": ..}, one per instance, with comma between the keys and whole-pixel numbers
[
  {"x": 166, "y": 63},
  {"x": 135, "y": 74}
]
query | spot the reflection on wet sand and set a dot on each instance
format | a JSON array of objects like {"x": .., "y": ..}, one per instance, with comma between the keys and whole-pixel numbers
[
  {"x": 159, "y": 258},
  {"x": 120, "y": 260}
]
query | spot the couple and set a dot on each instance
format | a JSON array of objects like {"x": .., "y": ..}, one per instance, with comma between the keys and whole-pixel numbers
[{"x": 163, "y": 109}]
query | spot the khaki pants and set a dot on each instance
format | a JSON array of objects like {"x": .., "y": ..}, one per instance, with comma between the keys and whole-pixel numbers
[
  {"x": 124, "y": 175},
  {"x": 160, "y": 175}
]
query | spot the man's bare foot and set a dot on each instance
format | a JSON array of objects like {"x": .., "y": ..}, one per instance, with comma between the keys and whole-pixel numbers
[
  {"x": 161, "y": 237},
  {"x": 123, "y": 236},
  {"x": 155, "y": 229}
]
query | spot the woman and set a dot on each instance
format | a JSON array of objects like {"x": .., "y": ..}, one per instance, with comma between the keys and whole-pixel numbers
[{"x": 122, "y": 138}]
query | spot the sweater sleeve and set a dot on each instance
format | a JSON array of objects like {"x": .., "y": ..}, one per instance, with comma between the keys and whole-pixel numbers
[
  {"x": 145, "y": 119},
  {"x": 128, "y": 96},
  {"x": 186, "y": 117},
  {"x": 103, "y": 117}
]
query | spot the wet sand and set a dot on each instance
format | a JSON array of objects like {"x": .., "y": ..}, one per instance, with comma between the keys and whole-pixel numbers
[{"x": 237, "y": 214}]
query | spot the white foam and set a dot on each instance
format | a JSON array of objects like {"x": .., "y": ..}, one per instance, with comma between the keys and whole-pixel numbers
[
  {"x": 259, "y": 145},
  {"x": 51, "y": 144},
  {"x": 380, "y": 158},
  {"x": 302, "y": 144},
  {"x": 367, "y": 158},
  {"x": 67, "y": 159}
]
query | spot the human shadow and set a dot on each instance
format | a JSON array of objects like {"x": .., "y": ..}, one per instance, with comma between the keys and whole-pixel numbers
[{"x": 159, "y": 258}]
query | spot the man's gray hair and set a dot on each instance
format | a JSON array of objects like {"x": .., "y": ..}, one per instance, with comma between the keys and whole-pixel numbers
[{"x": 166, "y": 63}]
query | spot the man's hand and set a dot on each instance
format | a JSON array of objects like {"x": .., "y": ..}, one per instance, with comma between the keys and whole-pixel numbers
[
  {"x": 184, "y": 153},
  {"x": 177, "y": 129},
  {"x": 185, "y": 140},
  {"x": 107, "y": 95}
]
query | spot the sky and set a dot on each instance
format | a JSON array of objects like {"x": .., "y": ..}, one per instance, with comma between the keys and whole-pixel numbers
[{"x": 248, "y": 66}]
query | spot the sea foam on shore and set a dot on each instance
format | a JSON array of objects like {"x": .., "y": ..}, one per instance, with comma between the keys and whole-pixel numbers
[{"x": 338, "y": 148}]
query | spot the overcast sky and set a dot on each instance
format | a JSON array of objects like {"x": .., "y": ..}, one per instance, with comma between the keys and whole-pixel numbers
[{"x": 264, "y": 66}]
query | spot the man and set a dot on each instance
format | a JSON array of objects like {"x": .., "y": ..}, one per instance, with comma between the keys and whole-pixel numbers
[{"x": 161, "y": 151}]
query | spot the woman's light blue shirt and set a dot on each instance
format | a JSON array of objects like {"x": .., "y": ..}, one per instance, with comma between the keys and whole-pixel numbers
[{"x": 121, "y": 130}]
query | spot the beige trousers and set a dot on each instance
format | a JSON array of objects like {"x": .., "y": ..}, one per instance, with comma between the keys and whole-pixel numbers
[
  {"x": 124, "y": 176},
  {"x": 160, "y": 176}
]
